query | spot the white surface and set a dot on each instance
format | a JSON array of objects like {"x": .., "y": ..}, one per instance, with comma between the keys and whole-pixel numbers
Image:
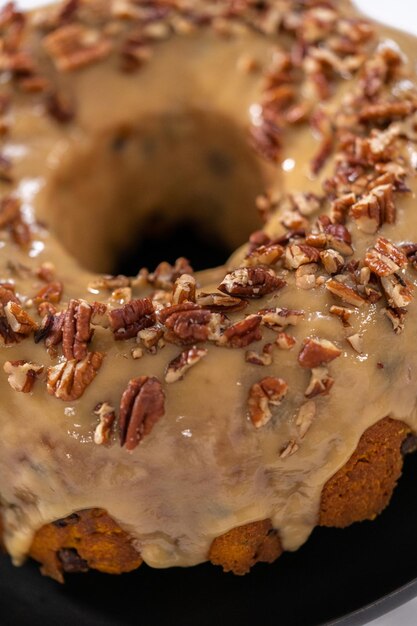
[{"x": 400, "y": 14}]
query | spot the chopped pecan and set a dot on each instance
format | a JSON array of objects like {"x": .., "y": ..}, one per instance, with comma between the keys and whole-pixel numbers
[
  {"x": 184, "y": 289},
  {"x": 342, "y": 290},
  {"x": 129, "y": 319},
  {"x": 268, "y": 391},
  {"x": 19, "y": 320},
  {"x": 339, "y": 238},
  {"x": 76, "y": 330},
  {"x": 397, "y": 318},
  {"x": 306, "y": 203},
  {"x": 315, "y": 352},
  {"x": 178, "y": 366},
  {"x": 22, "y": 374},
  {"x": 141, "y": 406},
  {"x": 342, "y": 312},
  {"x": 109, "y": 282},
  {"x": 410, "y": 250},
  {"x": 45, "y": 328},
  {"x": 251, "y": 282},
  {"x": 186, "y": 322},
  {"x": 151, "y": 337},
  {"x": 374, "y": 209},
  {"x": 260, "y": 358},
  {"x": 242, "y": 333},
  {"x": 107, "y": 416},
  {"x": 383, "y": 111},
  {"x": 297, "y": 254},
  {"x": 166, "y": 274},
  {"x": 9, "y": 211},
  {"x": 356, "y": 342},
  {"x": 277, "y": 318},
  {"x": 220, "y": 302},
  {"x": 264, "y": 255},
  {"x": 74, "y": 46},
  {"x": 7, "y": 336},
  {"x": 68, "y": 380},
  {"x": 266, "y": 138},
  {"x": 384, "y": 258},
  {"x": 289, "y": 449},
  {"x": 320, "y": 383},
  {"x": 340, "y": 208},
  {"x": 120, "y": 296},
  {"x": 305, "y": 276},
  {"x": 305, "y": 417},
  {"x": 99, "y": 315},
  {"x": 398, "y": 291},
  {"x": 59, "y": 108},
  {"x": 333, "y": 261},
  {"x": 285, "y": 341},
  {"x": 51, "y": 292}
]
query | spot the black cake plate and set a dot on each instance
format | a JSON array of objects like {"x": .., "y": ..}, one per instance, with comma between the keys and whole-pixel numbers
[{"x": 338, "y": 577}]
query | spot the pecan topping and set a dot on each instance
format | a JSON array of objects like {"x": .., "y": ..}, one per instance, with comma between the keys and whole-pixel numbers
[
  {"x": 305, "y": 276},
  {"x": 264, "y": 255},
  {"x": 269, "y": 391},
  {"x": 220, "y": 302},
  {"x": 285, "y": 341},
  {"x": 339, "y": 238},
  {"x": 385, "y": 258},
  {"x": 76, "y": 331},
  {"x": 316, "y": 352},
  {"x": 107, "y": 417},
  {"x": 68, "y": 381},
  {"x": 251, "y": 282},
  {"x": 59, "y": 108},
  {"x": 242, "y": 333},
  {"x": 300, "y": 254},
  {"x": 186, "y": 322},
  {"x": 19, "y": 320},
  {"x": 141, "y": 406},
  {"x": 128, "y": 320},
  {"x": 396, "y": 317},
  {"x": 340, "y": 207},
  {"x": 320, "y": 383},
  {"x": 109, "y": 282},
  {"x": 73, "y": 46},
  {"x": 277, "y": 318},
  {"x": 51, "y": 292},
  {"x": 375, "y": 209},
  {"x": 178, "y": 366},
  {"x": 289, "y": 449},
  {"x": 305, "y": 417},
  {"x": 341, "y": 312},
  {"x": 342, "y": 290},
  {"x": 184, "y": 289},
  {"x": 399, "y": 292},
  {"x": 22, "y": 374},
  {"x": 356, "y": 342},
  {"x": 410, "y": 250},
  {"x": 260, "y": 358},
  {"x": 333, "y": 261},
  {"x": 166, "y": 274},
  {"x": 151, "y": 338}
]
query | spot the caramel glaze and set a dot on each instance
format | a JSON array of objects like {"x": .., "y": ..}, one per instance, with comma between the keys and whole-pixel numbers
[{"x": 204, "y": 469}]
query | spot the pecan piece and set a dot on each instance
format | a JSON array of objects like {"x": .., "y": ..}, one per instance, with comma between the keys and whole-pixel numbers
[
  {"x": 186, "y": 322},
  {"x": 264, "y": 255},
  {"x": 184, "y": 289},
  {"x": 333, "y": 261},
  {"x": 342, "y": 312},
  {"x": 320, "y": 383},
  {"x": 397, "y": 317},
  {"x": 129, "y": 319},
  {"x": 305, "y": 417},
  {"x": 385, "y": 258},
  {"x": 166, "y": 274},
  {"x": 374, "y": 209},
  {"x": 76, "y": 331},
  {"x": 242, "y": 333},
  {"x": 74, "y": 46},
  {"x": 260, "y": 358},
  {"x": 141, "y": 406},
  {"x": 289, "y": 449},
  {"x": 107, "y": 417},
  {"x": 398, "y": 291},
  {"x": 68, "y": 380},
  {"x": 178, "y": 366},
  {"x": 269, "y": 391},
  {"x": 316, "y": 352},
  {"x": 278, "y": 318},
  {"x": 22, "y": 374},
  {"x": 285, "y": 341},
  {"x": 220, "y": 302},
  {"x": 348, "y": 294},
  {"x": 19, "y": 320},
  {"x": 251, "y": 282},
  {"x": 297, "y": 254}
]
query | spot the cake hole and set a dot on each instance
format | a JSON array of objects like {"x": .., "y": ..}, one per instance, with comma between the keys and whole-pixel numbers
[{"x": 179, "y": 184}]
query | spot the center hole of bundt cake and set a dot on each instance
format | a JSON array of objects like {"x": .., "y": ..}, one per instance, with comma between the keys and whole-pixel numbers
[{"x": 179, "y": 184}]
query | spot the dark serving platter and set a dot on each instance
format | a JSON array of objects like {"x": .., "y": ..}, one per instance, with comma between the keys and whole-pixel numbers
[{"x": 337, "y": 577}]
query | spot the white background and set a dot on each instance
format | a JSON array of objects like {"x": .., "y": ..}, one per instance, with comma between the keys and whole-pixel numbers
[{"x": 401, "y": 14}]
